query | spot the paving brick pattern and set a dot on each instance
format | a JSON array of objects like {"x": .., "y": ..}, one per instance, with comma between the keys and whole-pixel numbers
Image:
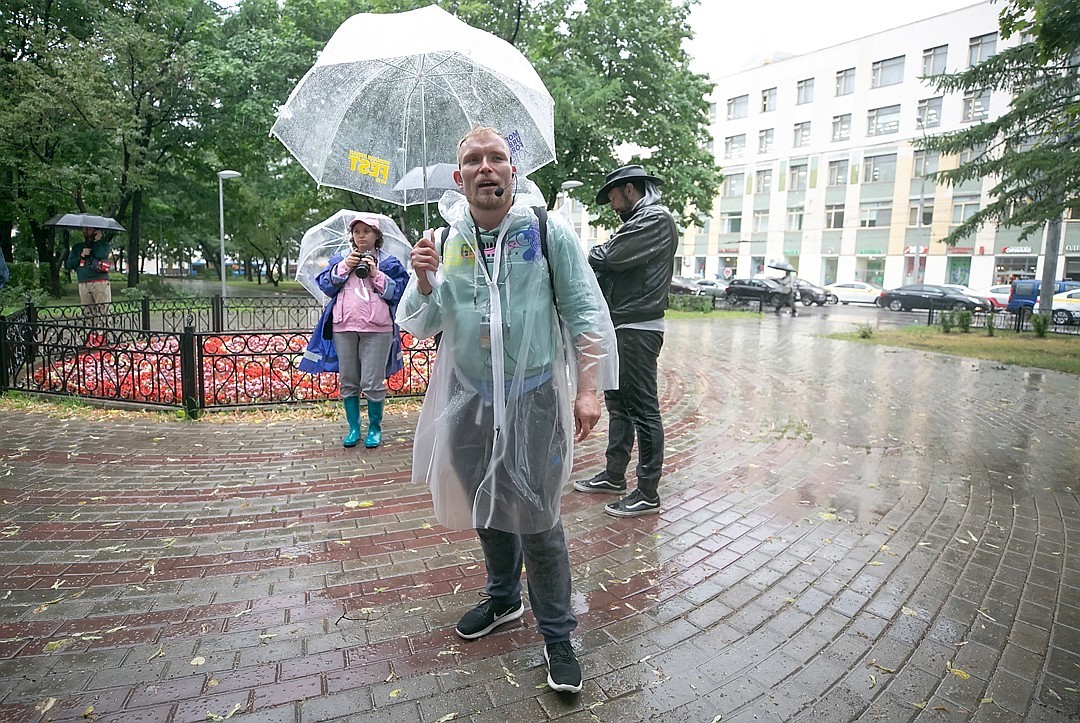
[{"x": 848, "y": 533}]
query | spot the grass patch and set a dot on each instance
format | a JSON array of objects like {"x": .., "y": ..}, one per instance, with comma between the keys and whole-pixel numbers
[{"x": 1060, "y": 353}]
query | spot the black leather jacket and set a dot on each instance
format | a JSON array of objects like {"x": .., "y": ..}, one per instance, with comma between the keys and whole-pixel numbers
[{"x": 634, "y": 267}]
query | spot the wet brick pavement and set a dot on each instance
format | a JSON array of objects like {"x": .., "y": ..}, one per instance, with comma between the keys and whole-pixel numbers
[{"x": 849, "y": 532}]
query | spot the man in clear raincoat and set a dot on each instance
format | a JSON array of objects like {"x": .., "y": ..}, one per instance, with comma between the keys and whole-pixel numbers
[{"x": 527, "y": 344}]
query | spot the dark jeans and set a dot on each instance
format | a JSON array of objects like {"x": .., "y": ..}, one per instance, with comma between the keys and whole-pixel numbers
[
  {"x": 635, "y": 408},
  {"x": 547, "y": 561},
  {"x": 526, "y": 487}
]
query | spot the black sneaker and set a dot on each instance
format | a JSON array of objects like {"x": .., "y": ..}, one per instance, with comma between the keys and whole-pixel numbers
[
  {"x": 484, "y": 618},
  {"x": 634, "y": 504},
  {"x": 602, "y": 482},
  {"x": 564, "y": 672}
]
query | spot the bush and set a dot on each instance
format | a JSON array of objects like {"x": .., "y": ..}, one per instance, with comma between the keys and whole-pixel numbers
[
  {"x": 991, "y": 319},
  {"x": 1040, "y": 323},
  {"x": 688, "y": 302},
  {"x": 963, "y": 321},
  {"x": 947, "y": 321},
  {"x": 865, "y": 331}
]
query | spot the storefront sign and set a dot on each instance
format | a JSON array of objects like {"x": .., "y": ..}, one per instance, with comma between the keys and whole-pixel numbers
[
  {"x": 728, "y": 251},
  {"x": 966, "y": 250},
  {"x": 916, "y": 249},
  {"x": 871, "y": 252},
  {"x": 1016, "y": 250},
  {"x": 1072, "y": 249}
]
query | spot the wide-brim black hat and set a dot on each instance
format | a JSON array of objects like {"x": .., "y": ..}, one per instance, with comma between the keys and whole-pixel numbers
[{"x": 619, "y": 176}]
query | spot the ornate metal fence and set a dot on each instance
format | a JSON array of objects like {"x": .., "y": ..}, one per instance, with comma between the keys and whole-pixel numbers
[{"x": 196, "y": 354}]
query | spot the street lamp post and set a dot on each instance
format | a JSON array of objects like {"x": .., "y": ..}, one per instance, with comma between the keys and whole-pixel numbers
[
  {"x": 222, "y": 176},
  {"x": 565, "y": 188}
]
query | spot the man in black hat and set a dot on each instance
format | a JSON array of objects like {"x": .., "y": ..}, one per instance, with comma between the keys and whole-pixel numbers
[{"x": 634, "y": 268}]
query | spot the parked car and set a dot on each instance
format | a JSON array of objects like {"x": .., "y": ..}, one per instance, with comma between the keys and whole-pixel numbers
[
  {"x": 712, "y": 287},
  {"x": 767, "y": 291},
  {"x": 855, "y": 292},
  {"x": 1024, "y": 294},
  {"x": 930, "y": 296},
  {"x": 813, "y": 294},
  {"x": 680, "y": 285},
  {"x": 968, "y": 291},
  {"x": 1066, "y": 307},
  {"x": 998, "y": 294}
]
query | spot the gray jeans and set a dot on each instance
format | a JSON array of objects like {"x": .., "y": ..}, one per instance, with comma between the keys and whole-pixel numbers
[
  {"x": 547, "y": 561},
  {"x": 362, "y": 360}
]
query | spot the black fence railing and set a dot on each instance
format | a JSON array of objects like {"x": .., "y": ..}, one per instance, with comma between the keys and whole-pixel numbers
[
  {"x": 196, "y": 354},
  {"x": 1006, "y": 321}
]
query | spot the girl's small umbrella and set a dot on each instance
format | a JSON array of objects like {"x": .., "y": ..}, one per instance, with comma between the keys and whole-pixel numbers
[{"x": 330, "y": 236}]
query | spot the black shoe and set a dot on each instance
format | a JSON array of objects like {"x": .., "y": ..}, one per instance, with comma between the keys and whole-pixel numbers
[
  {"x": 634, "y": 504},
  {"x": 602, "y": 482},
  {"x": 564, "y": 672},
  {"x": 484, "y": 618}
]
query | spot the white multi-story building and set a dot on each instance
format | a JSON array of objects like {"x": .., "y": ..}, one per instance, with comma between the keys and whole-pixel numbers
[{"x": 821, "y": 169}]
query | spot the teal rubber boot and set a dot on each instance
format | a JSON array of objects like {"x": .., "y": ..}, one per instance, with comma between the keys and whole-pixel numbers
[
  {"x": 352, "y": 413},
  {"x": 374, "y": 433}
]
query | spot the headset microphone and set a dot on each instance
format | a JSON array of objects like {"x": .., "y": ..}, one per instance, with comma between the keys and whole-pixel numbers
[{"x": 502, "y": 189}]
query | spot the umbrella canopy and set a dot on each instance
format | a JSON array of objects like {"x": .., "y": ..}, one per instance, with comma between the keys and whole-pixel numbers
[
  {"x": 392, "y": 91},
  {"x": 83, "y": 220},
  {"x": 331, "y": 235},
  {"x": 440, "y": 177},
  {"x": 781, "y": 266}
]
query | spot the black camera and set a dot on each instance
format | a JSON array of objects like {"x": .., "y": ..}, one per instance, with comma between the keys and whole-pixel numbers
[{"x": 363, "y": 269}]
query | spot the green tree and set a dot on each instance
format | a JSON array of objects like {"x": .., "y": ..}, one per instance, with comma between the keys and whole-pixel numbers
[
  {"x": 1029, "y": 151},
  {"x": 622, "y": 88}
]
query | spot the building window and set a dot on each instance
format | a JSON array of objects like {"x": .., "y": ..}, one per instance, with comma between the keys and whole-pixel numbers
[
  {"x": 927, "y": 214},
  {"x": 731, "y": 222},
  {"x": 963, "y": 208},
  {"x": 735, "y": 146},
  {"x": 736, "y": 107},
  {"x": 794, "y": 218},
  {"x": 733, "y": 185},
  {"x": 802, "y": 134},
  {"x": 834, "y": 215},
  {"x": 875, "y": 214},
  {"x": 797, "y": 177},
  {"x": 761, "y": 220},
  {"x": 879, "y": 169},
  {"x": 838, "y": 173},
  {"x": 845, "y": 81},
  {"x": 804, "y": 91},
  {"x": 841, "y": 127},
  {"x": 765, "y": 140},
  {"x": 933, "y": 61},
  {"x": 763, "y": 181},
  {"x": 981, "y": 47},
  {"x": 925, "y": 163},
  {"x": 887, "y": 72},
  {"x": 768, "y": 100},
  {"x": 929, "y": 114},
  {"x": 972, "y": 154},
  {"x": 976, "y": 105},
  {"x": 882, "y": 121},
  {"x": 712, "y": 113}
]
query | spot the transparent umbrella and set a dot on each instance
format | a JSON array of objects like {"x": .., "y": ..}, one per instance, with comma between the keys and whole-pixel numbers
[
  {"x": 330, "y": 236},
  {"x": 420, "y": 185},
  {"x": 84, "y": 220},
  {"x": 395, "y": 91}
]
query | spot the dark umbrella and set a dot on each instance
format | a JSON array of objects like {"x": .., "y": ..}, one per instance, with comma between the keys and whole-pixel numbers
[
  {"x": 83, "y": 220},
  {"x": 781, "y": 266}
]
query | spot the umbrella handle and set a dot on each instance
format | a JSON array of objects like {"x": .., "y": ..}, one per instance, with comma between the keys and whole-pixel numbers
[{"x": 436, "y": 278}]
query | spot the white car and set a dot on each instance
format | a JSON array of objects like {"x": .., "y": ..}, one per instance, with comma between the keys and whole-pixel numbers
[
  {"x": 968, "y": 291},
  {"x": 1066, "y": 307},
  {"x": 855, "y": 292},
  {"x": 998, "y": 294}
]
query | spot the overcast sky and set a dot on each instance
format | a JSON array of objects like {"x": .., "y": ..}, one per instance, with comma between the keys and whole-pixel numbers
[{"x": 730, "y": 35}]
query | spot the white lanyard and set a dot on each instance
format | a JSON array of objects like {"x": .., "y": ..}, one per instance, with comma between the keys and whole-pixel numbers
[{"x": 495, "y": 326}]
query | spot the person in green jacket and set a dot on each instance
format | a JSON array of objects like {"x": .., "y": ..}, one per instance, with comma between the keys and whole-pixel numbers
[{"x": 90, "y": 262}]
